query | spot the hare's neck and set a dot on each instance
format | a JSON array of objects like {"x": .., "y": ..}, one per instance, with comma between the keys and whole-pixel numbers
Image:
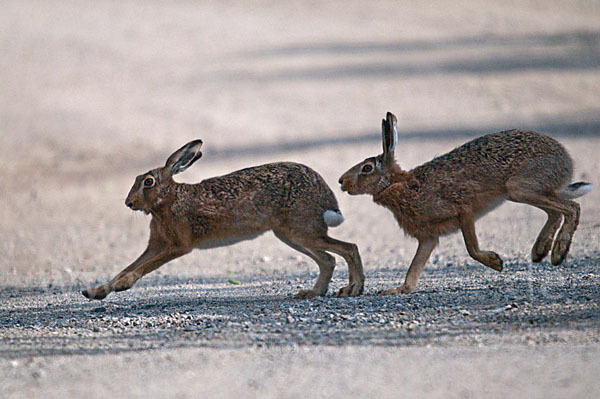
[
  {"x": 394, "y": 175},
  {"x": 161, "y": 209}
]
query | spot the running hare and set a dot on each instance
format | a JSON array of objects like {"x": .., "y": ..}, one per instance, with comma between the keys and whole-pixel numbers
[
  {"x": 290, "y": 199},
  {"x": 453, "y": 190}
]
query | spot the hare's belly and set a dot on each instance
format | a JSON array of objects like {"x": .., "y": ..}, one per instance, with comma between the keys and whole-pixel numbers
[{"x": 215, "y": 242}]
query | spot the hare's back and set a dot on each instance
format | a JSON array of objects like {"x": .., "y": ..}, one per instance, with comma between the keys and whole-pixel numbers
[
  {"x": 275, "y": 186},
  {"x": 502, "y": 155}
]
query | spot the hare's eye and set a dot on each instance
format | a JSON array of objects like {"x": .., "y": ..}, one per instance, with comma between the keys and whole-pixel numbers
[
  {"x": 368, "y": 168},
  {"x": 149, "y": 182}
]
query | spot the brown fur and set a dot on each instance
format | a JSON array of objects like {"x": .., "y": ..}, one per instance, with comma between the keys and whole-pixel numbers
[
  {"x": 288, "y": 198},
  {"x": 453, "y": 190}
]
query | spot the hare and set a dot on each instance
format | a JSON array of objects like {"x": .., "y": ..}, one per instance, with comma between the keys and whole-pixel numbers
[
  {"x": 453, "y": 190},
  {"x": 288, "y": 198}
]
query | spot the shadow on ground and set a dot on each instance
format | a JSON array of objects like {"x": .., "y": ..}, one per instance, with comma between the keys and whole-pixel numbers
[
  {"x": 576, "y": 50},
  {"x": 584, "y": 38},
  {"x": 555, "y": 128}
]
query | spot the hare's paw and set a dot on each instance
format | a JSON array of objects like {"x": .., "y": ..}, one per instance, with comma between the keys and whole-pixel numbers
[
  {"x": 307, "y": 294},
  {"x": 491, "y": 259},
  {"x": 124, "y": 283},
  {"x": 403, "y": 289},
  {"x": 560, "y": 250},
  {"x": 542, "y": 247},
  {"x": 354, "y": 289},
  {"x": 98, "y": 293}
]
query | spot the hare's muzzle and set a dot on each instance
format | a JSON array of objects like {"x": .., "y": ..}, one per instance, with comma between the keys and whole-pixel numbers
[
  {"x": 341, "y": 181},
  {"x": 344, "y": 184},
  {"x": 133, "y": 207}
]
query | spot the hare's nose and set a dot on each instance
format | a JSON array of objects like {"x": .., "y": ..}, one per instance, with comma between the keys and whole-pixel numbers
[
  {"x": 129, "y": 204},
  {"x": 341, "y": 181}
]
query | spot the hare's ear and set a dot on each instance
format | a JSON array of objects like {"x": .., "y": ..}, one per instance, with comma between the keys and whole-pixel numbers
[
  {"x": 389, "y": 133},
  {"x": 184, "y": 157}
]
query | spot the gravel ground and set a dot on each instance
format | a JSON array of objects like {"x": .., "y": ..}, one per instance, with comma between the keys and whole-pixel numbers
[
  {"x": 92, "y": 95},
  {"x": 532, "y": 332},
  {"x": 528, "y": 305}
]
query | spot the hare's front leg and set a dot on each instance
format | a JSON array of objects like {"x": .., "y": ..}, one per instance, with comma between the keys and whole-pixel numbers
[
  {"x": 153, "y": 257},
  {"x": 417, "y": 265},
  {"x": 488, "y": 258}
]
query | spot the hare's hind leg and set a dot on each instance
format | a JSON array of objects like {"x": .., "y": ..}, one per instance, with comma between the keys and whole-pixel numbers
[
  {"x": 552, "y": 205},
  {"x": 350, "y": 253},
  {"x": 562, "y": 244},
  {"x": 315, "y": 247},
  {"x": 424, "y": 250},
  {"x": 325, "y": 261},
  {"x": 488, "y": 258},
  {"x": 543, "y": 244}
]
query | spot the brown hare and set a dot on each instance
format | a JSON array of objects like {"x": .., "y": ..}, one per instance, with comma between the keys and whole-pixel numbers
[
  {"x": 453, "y": 190},
  {"x": 290, "y": 199}
]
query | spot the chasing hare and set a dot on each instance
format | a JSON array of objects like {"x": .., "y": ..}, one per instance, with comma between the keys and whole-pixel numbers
[
  {"x": 290, "y": 199},
  {"x": 453, "y": 190}
]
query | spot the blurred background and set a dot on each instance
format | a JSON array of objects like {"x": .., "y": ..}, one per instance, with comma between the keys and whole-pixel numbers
[{"x": 94, "y": 93}]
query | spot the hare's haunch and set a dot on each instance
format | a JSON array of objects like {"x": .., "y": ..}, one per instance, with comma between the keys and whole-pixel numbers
[
  {"x": 453, "y": 190},
  {"x": 287, "y": 198}
]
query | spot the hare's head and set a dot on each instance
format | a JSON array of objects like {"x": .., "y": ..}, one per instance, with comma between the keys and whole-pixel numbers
[
  {"x": 374, "y": 174},
  {"x": 153, "y": 188}
]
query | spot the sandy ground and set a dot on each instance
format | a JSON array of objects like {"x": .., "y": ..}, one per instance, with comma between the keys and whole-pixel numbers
[{"x": 93, "y": 94}]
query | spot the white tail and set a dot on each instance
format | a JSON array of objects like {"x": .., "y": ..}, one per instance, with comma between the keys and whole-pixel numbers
[
  {"x": 576, "y": 190},
  {"x": 333, "y": 218}
]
